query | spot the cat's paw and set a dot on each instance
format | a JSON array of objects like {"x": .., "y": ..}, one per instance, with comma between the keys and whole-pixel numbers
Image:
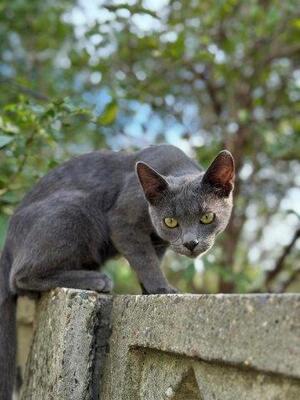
[
  {"x": 162, "y": 290},
  {"x": 169, "y": 290},
  {"x": 103, "y": 285}
]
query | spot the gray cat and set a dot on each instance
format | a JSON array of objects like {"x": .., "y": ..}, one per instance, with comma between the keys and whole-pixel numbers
[{"x": 102, "y": 204}]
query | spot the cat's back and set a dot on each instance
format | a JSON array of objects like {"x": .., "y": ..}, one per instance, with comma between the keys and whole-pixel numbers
[
  {"x": 88, "y": 172},
  {"x": 168, "y": 160},
  {"x": 105, "y": 171}
]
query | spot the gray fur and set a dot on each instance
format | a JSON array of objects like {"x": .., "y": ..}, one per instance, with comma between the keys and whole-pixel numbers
[{"x": 92, "y": 208}]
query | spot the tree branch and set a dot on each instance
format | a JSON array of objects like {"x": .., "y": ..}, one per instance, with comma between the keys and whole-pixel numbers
[
  {"x": 212, "y": 91},
  {"x": 283, "y": 52},
  {"x": 280, "y": 262},
  {"x": 282, "y": 288},
  {"x": 24, "y": 89}
]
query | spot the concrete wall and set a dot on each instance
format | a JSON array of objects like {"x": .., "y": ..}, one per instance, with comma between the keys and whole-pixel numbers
[
  {"x": 190, "y": 347},
  {"x": 25, "y": 326}
]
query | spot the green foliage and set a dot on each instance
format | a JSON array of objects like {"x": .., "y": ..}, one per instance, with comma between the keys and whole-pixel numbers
[
  {"x": 30, "y": 142},
  {"x": 109, "y": 114}
]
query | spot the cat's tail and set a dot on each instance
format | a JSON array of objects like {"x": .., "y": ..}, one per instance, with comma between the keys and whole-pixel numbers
[{"x": 7, "y": 330}]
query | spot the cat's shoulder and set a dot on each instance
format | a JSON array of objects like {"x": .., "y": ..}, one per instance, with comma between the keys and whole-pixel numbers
[
  {"x": 168, "y": 160},
  {"x": 163, "y": 150}
]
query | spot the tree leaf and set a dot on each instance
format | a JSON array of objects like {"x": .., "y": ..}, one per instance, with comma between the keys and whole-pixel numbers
[
  {"x": 109, "y": 114},
  {"x": 5, "y": 140}
]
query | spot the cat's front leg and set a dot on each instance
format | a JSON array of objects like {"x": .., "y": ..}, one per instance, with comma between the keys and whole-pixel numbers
[
  {"x": 166, "y": 290},
  {"x": 142, "y": 257},
  {"x": 147, "y": 267}
]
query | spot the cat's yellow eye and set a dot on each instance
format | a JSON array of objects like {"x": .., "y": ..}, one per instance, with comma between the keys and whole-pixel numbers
[
  {"x": 171, "y": 222},
  {"x": 207, "y": 218}
]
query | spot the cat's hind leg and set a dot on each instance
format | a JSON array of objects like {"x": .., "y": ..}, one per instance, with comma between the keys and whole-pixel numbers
[
  {"x": 76, "y": 279},
  {"x": 59, "y": 252}
]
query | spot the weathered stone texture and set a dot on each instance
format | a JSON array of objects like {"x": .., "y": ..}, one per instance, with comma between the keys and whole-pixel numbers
[
  {"x": 61, "y": 361},
  {"x": 222, "y": 347},
  {"x": 165, "y": 347},
  {"x": 25, "y": 320}
]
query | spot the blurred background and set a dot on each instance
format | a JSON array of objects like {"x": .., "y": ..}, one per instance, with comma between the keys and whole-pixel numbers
[{"x": 76, "y": 76}]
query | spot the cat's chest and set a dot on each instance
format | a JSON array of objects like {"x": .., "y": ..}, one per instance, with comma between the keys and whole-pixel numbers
[{"x": 157, "y": 240}]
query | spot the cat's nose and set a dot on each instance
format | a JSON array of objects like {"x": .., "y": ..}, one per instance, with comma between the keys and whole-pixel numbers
[{"x": 191, "y": 245}]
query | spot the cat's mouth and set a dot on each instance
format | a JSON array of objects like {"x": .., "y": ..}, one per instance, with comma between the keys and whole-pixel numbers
[{"x": 198, "y": 251}]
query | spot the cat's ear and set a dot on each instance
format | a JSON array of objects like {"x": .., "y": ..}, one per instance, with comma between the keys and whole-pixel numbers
[
  {"x": 221, "y": 173},
  {"x": 152, "y": 182}
]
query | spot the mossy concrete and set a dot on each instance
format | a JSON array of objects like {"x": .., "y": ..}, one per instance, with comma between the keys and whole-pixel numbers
[
  {"x": 25, "y": 320},
  {"x": 204, "y": 347},
  {"x": 65, "y": 349},
  {"x": 177, "y": 347}
]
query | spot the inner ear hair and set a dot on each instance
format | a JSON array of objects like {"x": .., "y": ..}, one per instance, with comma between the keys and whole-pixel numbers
[
  {"x": 221, "y": 173},
  {"x": 153, "y": 184}
]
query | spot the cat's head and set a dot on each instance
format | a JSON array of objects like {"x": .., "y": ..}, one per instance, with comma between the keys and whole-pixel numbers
[{"x": 189, "y": 211}]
